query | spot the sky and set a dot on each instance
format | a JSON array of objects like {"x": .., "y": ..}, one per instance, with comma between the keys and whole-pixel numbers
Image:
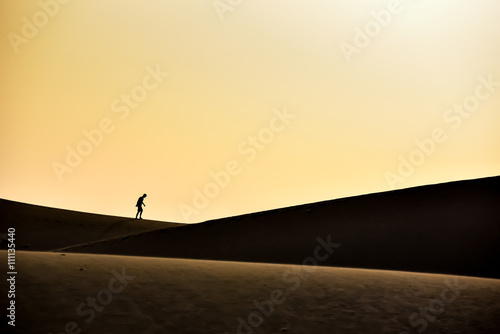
[{"x": 220, "y": 108}]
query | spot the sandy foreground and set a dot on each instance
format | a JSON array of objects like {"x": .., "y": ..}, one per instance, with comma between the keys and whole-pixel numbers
[{"x": 66, "y": 293}]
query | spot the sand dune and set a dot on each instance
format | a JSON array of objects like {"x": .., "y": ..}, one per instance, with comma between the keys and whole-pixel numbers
[
  {"x": 43, "y": 228},
  {"x": 450, "y": 228},
  {"x": 189, "y": 296}
]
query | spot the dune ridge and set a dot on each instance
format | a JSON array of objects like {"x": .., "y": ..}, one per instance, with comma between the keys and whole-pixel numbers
[
  {"x": 450, "y": 228},
  {"x": 41, "y": 228}
]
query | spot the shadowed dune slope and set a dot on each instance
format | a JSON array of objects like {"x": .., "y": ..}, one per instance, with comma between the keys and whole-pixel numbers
[
  {"x": 44, "y": 228},
  {"x": 157, "y": 295},
  {"x": 449, "y": 228}
]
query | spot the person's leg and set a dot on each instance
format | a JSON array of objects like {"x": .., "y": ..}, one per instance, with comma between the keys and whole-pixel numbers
[{"x": 140, "y": 213}]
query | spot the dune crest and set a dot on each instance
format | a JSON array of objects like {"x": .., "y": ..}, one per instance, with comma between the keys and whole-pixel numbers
[{"x": 450, "y": 228}]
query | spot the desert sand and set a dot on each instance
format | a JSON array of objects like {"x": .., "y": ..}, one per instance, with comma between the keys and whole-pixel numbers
[
  {"x": 199, "y": 296},
  {"x": 409, "y": 261}
]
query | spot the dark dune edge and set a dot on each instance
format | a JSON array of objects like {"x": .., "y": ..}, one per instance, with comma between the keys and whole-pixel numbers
[
  {"x": 40, "y": 228},
  {"x": 450, "y": 228}
]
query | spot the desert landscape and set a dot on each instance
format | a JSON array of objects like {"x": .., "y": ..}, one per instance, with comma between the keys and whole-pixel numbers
[
  {"x": 250, "y": 167},
  {"x": 416, "y": 260}
]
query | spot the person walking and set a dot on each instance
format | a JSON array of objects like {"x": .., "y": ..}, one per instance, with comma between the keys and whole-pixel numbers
[{"x": 140, "y": 203}]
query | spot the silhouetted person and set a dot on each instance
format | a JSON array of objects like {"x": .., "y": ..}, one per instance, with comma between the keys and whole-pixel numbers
[{"x": 140, "y": 203}]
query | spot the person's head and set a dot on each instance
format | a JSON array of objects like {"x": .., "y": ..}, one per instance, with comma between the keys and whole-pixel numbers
[{"x": 144, "y": 195}]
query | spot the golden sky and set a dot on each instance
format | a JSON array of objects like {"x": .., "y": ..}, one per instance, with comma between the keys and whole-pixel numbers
[{"x": 218, "y": 108}]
